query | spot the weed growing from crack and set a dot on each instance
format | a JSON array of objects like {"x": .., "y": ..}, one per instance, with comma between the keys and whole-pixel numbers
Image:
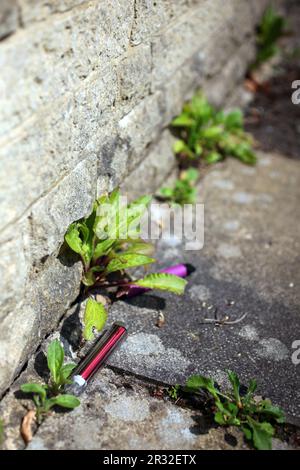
[
  {"x": 45, "y": 396},
  {"x": 253, "y": 416},
  {"x": 184, "y": 190},
  {"x": 209, "y": 135},
  {"x": 270, "y": 30},
  {"x": 108, "y": 242}
]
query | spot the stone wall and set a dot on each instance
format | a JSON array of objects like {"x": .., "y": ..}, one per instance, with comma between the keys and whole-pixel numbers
[{"x": 87, "y": 90}]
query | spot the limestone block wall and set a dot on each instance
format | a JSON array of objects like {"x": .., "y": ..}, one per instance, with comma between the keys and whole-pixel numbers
[{"x": 87, "y": 90}]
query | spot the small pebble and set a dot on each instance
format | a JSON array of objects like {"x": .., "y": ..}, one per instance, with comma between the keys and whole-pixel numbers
[
  {"x": 160, "y": 320},
  {"x": 103, "y": 299},
  {"x": 291, "y": 284}
]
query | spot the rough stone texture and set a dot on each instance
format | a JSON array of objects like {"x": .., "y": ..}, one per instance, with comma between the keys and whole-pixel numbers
[
  {"x": 8, "y": 17},
  {"x": 249, "y": 258},
  {"x": 248, "y": 265},
  {"x": 86, "y": 91},
  {"x": 156, "y": 168},
  {"x": 120, "y": 414}
]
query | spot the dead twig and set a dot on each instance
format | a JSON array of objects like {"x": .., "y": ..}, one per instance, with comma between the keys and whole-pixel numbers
[{"x": 226, "y": 320}]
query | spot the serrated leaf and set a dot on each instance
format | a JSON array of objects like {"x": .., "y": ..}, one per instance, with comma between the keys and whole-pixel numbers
[
  {"x": 262, "y": 434},
  {"x": 195, "y": 382},
  {"x": 163, "y": 281},
  {"x": 55, "y": 359},
  {"x": 266, "y": 408},
  {"x": 126, "y": 261},
  {"x": 34, "y": 388},
  {"x": 95, "y": 316}
]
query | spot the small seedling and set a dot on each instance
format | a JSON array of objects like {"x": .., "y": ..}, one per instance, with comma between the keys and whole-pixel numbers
[
  {"x": 253, "y": 416},
  {"x": 173, "y": 392},
  {"x": 210, "y": 135},
  {"x": 47, "y": 396},
  {"x": 184, "y": 191},
  {"x": 270, "y": 30},
  {"x": 108, "y": 242}
]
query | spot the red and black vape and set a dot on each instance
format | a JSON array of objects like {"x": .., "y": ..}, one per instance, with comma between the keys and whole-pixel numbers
[{"x": 96, "y": 358}]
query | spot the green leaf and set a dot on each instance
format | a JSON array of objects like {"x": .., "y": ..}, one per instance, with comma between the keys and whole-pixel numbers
[
  {"x": 167, "y": 192},
  {"x": 66, "y": 401},
  {"x": 247, "y": 432},
  {"x": 198, "y": 149},
  {"x": 55, "y": 359},
  {"x": 134, "y": 214},
  {"x": 234, "y": 120},
  {"x": 213, "y": 157},
  {"x": 234, "y": 380},
  {"x": 213, "y": 132},
  {"x": 34, "y": 388},
  {"x": 126, "y": 261},
  {"x": 142, "y": 248},
  {"x": 183, "y": 121},
  {"x": 95, "y": 316},
  {"x": 266, "y": 408},
  {"x": 65, "y": 372},
  {"x": 262, "y": 434},
  {"x": 191, "y": 175},
  {"x": 219, "y": 418},
  {"x": 251, "y": 389},
  {"x": 103, "y": 248},
  {"x": 163, "y": 281},
  {"x": 73, "y": 239},
  {"x": 179, "y": 146},
  {"x": 195, "y": 382},
  {"x": 77, "y": 237}
]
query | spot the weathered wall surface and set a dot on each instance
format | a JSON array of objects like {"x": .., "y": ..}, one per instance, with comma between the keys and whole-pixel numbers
[{"x": 87, "y": 90}]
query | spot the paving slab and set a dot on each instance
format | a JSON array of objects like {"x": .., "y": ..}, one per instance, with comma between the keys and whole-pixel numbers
[
  {"x": 119, "y": 413},
  {"x": 249, "y": 265}
]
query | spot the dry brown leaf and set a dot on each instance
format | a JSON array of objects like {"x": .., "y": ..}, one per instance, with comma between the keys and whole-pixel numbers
[{"x": 27, "y": 424}]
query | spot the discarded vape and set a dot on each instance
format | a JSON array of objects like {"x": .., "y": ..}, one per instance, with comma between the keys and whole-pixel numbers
[{"x": 96, "y": 358}]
